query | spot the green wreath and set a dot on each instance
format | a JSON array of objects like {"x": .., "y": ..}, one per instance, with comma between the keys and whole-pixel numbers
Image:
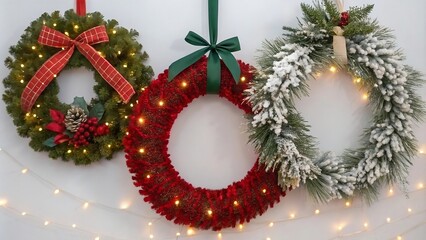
[
  {"x": 83, "y": 132},
  {"x": 280, "y": 133}
]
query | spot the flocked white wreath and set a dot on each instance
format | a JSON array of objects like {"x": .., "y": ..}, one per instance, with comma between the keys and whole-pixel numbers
[{"x": 281, "y": 135}]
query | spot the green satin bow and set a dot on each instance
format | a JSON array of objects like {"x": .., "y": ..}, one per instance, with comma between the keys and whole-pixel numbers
[{"x": 218, "y": 51}]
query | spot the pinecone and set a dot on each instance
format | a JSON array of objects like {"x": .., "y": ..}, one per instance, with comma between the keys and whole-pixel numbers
[{"x": 75, "y": 116}]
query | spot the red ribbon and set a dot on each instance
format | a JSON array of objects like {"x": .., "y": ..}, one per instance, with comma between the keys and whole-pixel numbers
[
  {"x": 57, "y": 62},
  {"x": 81, "y": 7}
]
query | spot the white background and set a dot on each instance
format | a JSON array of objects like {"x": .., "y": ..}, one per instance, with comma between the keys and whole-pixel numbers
[{"x": 335, "y": 110}]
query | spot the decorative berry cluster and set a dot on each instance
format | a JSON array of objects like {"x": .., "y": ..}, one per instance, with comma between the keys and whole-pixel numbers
[{"x": 86, "y": 131}]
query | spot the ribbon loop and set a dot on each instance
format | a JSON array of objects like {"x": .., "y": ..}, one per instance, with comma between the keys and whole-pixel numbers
[
  {"x": 48, "y": 71},
  {"x": 218, "y": 51}
]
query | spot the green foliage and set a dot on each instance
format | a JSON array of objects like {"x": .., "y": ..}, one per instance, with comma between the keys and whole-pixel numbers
[
  {"x": 325, "y": 15},
  {"x": 122, "y": 49}
]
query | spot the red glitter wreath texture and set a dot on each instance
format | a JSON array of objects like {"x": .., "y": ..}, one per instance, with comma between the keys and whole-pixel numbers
[{"x": 149, "y": 162}]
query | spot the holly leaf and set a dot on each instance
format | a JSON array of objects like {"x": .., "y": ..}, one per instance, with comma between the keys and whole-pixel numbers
[
  {"x": 50, "y": 142},
  {"x": 81, "y": 103},
  {"x": 97, "y": 111}
]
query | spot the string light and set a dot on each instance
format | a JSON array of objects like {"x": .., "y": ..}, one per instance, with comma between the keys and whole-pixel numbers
[
  {"x": 317, "y": 211},
  {"x": 3, "y": 202},
  {"x": 190, "y": 232},
  {"x": 40, "y": 129},
  {"x": 241, "y": 226},
  {"x": 235, "y": 203},
  {"x": 40, "y": 55},
  {"x": 292, "y": 215},
  {"x": 22, "y": 81},
  {"x": 141, "y": 120},
  {"x": 348, "y": 204},
  {"x": 25, "y": 170},
  {"x": 33, "y": 47},
  {"x": 268, "y": 238},
  {"x": 109, "y": 146},
  {"x": 264, "y": 190},
  {"x": 271, "y": 224},
  {"x": 74, "y": 226},
  {"x": 141, "y": 150},
  {"x": 209, "y": 212},
  {"x": 46, "y": 223},
  {"x": 340, "y": 228},
  {"x": 54, "y": 24},
  {"x": 184, "y": 84},
  {"x": 243, "y": 79},
  {"x": 151, "y": 236},
  {"x": 390, "y": 191},
  {"x": 399, "y": 238},
  {"x": 177, "y": 234},
  {"x": 69, "y": 151},
  {"x": 84, "y": 151},
  {"x": 219, "y": 235},
  {"x": 85, "y": 205},
  {"x": 119, "y": 52},
  {"x": 56, "y": 191},
  {"x": 125, "y": 65},
  {"x": 365, "y": 96},
  {"x": 114, "y": 31},
  {"x": 161, "y": 103},
  {"x": 177, "y": 203},
  {"x": 22, "y": 65},
  {"x": 421, "y": 185},
  {"x": 66, "y": 33},
  {"x": 150, "y": 224},
  {"x": 333, "y": 69},
  {"x": 76, "y": 27},
  {"x": 124, "y": 205},
  {"x": 148, "y": 176},
  {"x": 97, "y": 238}
]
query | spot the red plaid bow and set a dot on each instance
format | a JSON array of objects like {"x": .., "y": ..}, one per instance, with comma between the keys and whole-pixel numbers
[{"x": 57, "y": 62}]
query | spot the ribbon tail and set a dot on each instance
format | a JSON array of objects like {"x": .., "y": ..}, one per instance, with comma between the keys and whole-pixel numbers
[
  {"x": 108, "y": 72},
  {"x": 231, "y": 63},
  {"x": 43, "y": 77},
  {"x": 213, "y": 73},
  {"x": 183, "y": 63}
]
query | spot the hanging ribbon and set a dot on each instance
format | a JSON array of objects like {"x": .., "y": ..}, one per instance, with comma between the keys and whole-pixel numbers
[
  {"x": 339, "y": 41},
  {"x": 57, "y": 62},
  {"x": 81, "y": 7},
  {"x": 218, "y": 51}
]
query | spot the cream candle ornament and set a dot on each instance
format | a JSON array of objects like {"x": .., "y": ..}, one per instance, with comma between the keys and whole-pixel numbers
[{"x": 339, "y": 41}]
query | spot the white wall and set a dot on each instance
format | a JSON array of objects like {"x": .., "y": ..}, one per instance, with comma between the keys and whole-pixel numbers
[{"x": 335, "y": 111}]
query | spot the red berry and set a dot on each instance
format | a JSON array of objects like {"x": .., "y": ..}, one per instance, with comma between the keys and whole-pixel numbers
[{"x": 86, "y": 134}]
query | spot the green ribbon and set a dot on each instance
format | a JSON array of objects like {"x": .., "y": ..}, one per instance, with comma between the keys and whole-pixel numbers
[{"x": 218, "y": 51}]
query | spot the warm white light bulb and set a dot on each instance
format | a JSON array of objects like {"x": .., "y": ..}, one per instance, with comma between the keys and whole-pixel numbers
[
  {"x": 177, "y": 234},
  {"x": 388, "y": 220},
  {"x": 3, "y": 202},
  {"x": 85, "y": 205},
  {"x": 74, "y": 226},
  {"x": 271, "y": 224},
  {"x": 333, "y": 69},
  {"x": 151, "y": 236},
  {"x": 366, "y": 224},
  {"x": 46, "y": 223},
  {"x": 25, "y": 170},
  {"x": 23, "y": 213},
  {"x": 150, "y": 224},
  {"x": 241, "y": 226},
  {"x": 190, "y": 232},
  {"x": 56, "y": 191},
  {"x": 292, "y": 215},
  {"x": 219, "y": 235},
  {"x": 317, "y": 211},
  {"x": 409, "y": 210}
]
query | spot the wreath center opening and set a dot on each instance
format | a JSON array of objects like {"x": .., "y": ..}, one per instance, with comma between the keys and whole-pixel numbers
[
  {"x": 209, "y": 143},
  {"x": 77, "y": 82},
  {"x": 342, "y": 123}
]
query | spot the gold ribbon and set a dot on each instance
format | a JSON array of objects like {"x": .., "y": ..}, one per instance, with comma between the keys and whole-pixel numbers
[{"x": 339, "y": 41}]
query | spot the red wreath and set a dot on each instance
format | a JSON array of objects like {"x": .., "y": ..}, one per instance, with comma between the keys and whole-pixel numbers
[{"x": 149, "y": 162}]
